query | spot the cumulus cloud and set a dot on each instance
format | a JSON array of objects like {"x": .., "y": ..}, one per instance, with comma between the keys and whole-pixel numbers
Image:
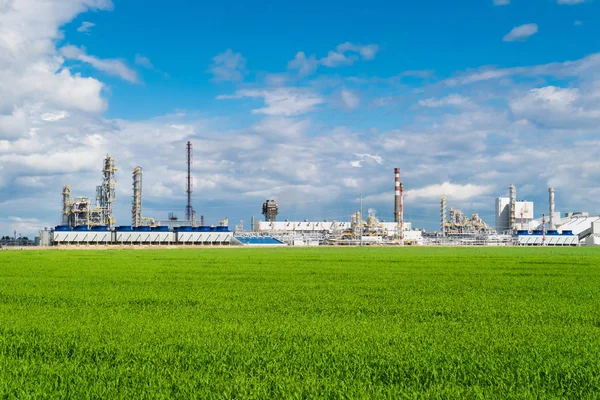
[
  {"x": 501, "y": 2},
  {"x": 228, "y": 66},
  {"x": 54, "y": 116},
  {"x": 362, "y": 158},
  {"x": 521, "y": 33},
  {"x": 111, "y": 67},
  {"x": 570, "y": 2},
  {"x": 343, "y": 55},
  {"x": 559, "y": 107}
]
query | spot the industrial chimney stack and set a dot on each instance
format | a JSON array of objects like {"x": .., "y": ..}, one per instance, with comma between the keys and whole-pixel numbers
[
  {"x": 396, "y": 195},
  {"x": 551, "y": 203}
]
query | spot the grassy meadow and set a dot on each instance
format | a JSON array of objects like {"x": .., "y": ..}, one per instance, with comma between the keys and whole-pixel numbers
[{"x": 301, "y": 323}]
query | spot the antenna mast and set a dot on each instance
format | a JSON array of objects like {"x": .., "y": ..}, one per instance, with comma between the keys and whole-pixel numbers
[{"x": 188, "y": 190}]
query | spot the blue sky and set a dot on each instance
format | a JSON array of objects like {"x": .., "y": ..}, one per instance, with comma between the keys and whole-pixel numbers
[{"x": 308, "y": 103}]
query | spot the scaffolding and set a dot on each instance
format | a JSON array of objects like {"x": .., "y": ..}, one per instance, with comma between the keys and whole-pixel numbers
[
  {"x": 458, "y": 223},
  {"x": 80, "y": 212},
  {"x": 105, "y": 193}
]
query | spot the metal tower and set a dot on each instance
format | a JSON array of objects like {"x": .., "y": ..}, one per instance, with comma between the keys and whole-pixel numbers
[
  {"x": 66, "y": 211},
  {"x": 270, "y": 210},
  {"x": 188, "y": 190},
  {"x": 136, "y": 204},
  {"x": 513, "y": 208},
  {"x": 443, "y": 216},
  {"x": 105, "y": 193}
]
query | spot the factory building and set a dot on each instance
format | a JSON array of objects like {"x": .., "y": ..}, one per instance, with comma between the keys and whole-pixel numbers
[
  {"x": 513, "y": 214},
  {"x": 523, "y": 211},
  {"x": 458, "y": 224},
  {"x": 356, "y": 231}
]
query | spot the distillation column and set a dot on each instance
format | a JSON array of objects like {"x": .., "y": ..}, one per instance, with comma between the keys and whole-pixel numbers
[
  {"x": 551, "y": 226},
  {"x": 107, "y": 192},
  {"x": 513, "y": 208},
  {"x": 443, "y": 216},
  {"x": 136, "y": 204},
  {"x": 66, "y": 210}
]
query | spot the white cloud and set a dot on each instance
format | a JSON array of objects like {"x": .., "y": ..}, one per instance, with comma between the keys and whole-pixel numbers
[
  {"x": 85, "y": 27},
  {"x": 6, "y": 5},
  {"x": 570, "y": 2},
  {"x": 521, "y": 33},
  {"x": 54, "y": 116},
  {"x": 305, "y": 66},
  {"x": 578, "y": 23},
  {"x": 452, "y": 191},
  {"x": 228, "y": 66},
  {"x": 281, "y": 101},
  {"x": 367, "y": 52},
  {"x": 344, "y": 54},
  {"x": 143, "y": 61},
  {"x": 337, "y": 59},
  {"x": 501, "y": 2},
  {"x": 31, "y": 70},
  {"x": 366, "y": 158},
  {"x": 587, "y": 67},
  {"x": 455, "y": 100},
  {"x": 110, "y": 66},
  {"x": 278, "y": 127},
  {"x": 559, "y": 107},
  {"x": 349, "y": 99}
]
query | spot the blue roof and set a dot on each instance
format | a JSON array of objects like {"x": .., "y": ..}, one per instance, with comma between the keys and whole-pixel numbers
[{"x": 265, "y": 240}]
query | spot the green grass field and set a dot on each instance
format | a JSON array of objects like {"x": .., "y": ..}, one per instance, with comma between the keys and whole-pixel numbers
[{"x": 301, "y": 323}]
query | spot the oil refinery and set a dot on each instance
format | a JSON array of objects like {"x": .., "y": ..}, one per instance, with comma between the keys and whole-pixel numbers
[{"x": 85, "y": 222}]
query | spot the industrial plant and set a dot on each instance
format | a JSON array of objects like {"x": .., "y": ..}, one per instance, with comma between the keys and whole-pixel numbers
[{"x": 84, "y": 222}]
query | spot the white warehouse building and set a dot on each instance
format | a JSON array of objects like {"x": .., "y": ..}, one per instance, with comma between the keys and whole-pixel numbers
[{"x": 322, "y": 227}]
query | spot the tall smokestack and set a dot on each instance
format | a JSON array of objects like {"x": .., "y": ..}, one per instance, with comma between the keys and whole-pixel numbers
[
  {"x": 397, "y": 195},
  {"x": 513, "y": 208},
  {"x": 188, "y": 190},
  {"x": 401, "y": 213},
  {"x": 551, "y": 204}
]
